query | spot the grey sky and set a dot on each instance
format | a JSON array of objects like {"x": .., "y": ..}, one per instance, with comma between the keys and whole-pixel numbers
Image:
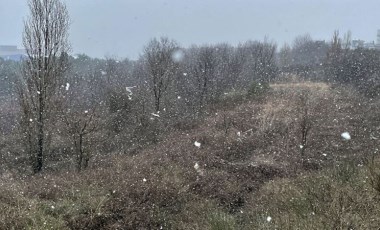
[{"x": 122, "y": 27}]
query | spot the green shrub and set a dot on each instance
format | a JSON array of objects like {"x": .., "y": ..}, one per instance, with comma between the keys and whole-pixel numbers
[
  {"x": 257, "y": 89},
  {"x": 221, "y": 221},
  {"x": 345, "y": 172}
]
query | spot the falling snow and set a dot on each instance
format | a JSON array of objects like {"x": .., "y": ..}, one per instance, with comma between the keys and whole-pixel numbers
[
  {"x": 346, "y": 136},
  {"x": 196, "y": 166},
  {"x": 178, "y": 56},
  {"x": 251, "y": 110}
]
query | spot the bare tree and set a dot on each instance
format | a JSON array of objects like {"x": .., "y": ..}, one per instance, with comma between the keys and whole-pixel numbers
[
  {"x": 161, "y": 66},
  {"x": 261, "y": 64},
  {"x": 45, "y": 40},
  {"x": 203, "y": 70},
  {"x": 82, "y": 118},
  {"x": 285, "y": 57},
  {"x": 236, "y": 64},
  {"x": 305, "y": 121},
  {"x": 80, "y": 124},
  {"x": 338, "y": 63},
  {"x": 334, "y": 56},
  {"x": 347, "y": 40},
  {"x": 302, "y": 48},
  {"x": 230, "y": 64}
]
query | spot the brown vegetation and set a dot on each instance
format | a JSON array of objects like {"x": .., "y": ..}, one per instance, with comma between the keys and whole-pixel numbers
[{"x": 236, "y": 178}]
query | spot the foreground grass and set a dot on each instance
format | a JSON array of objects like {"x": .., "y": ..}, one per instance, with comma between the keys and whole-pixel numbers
[{"x": 338, "y": 198}]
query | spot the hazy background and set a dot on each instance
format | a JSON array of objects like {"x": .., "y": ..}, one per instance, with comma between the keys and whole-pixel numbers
[{"x": 122, "y": 27}]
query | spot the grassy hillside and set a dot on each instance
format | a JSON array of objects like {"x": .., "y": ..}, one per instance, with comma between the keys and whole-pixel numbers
[{"x": 278, "y": 162}]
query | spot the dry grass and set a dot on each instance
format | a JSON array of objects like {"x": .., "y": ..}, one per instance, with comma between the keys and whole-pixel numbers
[
  {"x": 313, "y": 86},
  {"x": 340, "y": 198}
]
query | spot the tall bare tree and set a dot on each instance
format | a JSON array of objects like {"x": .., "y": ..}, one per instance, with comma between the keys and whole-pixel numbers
[
  {"x": 45, "y": 40},
  {"x": 204, "y": 70},
  {"x": 285, "y": 57},
  {"x": 160, "y": 64},
  {"x": 260, "y": 65}
]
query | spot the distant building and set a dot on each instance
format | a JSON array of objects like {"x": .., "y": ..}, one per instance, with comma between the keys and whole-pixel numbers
[
  {"x": 357, "y": 44},
  {"x": 370, "y": 45},
  {"x": 374, "y": 45},
  {"x": 11, "y": 53}
]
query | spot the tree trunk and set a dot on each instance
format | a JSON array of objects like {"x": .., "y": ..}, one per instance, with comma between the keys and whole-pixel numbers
[
  {"x": 40, "y": 144},
  {"x": 157, "y": 104},
  {"x": 80, "y": 152}
]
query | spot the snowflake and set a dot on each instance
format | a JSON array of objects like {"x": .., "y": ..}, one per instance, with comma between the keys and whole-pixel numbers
[{"x": 346, "y": 136}]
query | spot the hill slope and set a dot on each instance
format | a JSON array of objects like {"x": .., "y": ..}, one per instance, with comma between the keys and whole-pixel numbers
[{"x": 228, "y": 170}]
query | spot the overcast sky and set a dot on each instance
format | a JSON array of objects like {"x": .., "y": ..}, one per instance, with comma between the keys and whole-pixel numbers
[{"x": 121, "y": 28}]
